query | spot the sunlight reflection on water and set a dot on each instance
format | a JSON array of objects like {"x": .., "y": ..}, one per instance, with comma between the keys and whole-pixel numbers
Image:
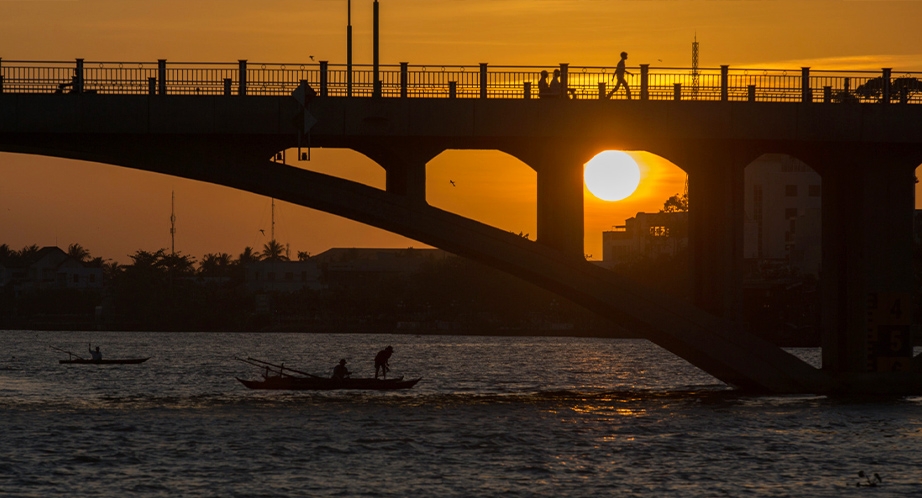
[{"x": 521, "y": 416}]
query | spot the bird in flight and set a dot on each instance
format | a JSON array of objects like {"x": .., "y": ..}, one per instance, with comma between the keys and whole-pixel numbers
[
  {"x": 262, "y": 231},
  {"x": 311, "y": 56},
  {"x": 452, "y": 182}
]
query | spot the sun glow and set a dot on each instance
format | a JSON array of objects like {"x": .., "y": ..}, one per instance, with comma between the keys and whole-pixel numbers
[{"x": 612, "y": 175}]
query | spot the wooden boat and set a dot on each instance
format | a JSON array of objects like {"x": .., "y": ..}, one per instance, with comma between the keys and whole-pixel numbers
[
  {"x": 275, "y": 378},
  {"x": 81, "y": 361},
  {"x": 291, "y": 383},
  {"x": 74, "y": 359}
]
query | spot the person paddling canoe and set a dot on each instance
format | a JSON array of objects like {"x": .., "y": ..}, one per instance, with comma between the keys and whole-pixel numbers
[{"x": 96, "y": 355}]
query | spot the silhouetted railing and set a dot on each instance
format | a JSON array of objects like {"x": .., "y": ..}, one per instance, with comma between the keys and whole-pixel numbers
[{"x": 462, "y": 82}]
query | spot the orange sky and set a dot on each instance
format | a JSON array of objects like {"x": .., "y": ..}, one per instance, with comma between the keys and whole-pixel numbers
[{"x": 114, "y": 211}]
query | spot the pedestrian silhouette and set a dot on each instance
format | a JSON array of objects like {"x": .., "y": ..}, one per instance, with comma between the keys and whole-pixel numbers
[{"x": 619, "y": 74}]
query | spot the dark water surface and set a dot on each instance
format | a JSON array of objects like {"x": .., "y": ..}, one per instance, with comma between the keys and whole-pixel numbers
[{"x": 493, "y": 416}]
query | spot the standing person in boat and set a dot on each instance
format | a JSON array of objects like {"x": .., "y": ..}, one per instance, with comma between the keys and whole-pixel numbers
[
  {"x": 96, "y": 355},
  {"x": 381, "y": 361},
  {"x": 340, "y": 371}
]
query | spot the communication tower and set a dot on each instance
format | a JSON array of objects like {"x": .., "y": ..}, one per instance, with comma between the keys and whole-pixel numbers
[{"x": 694, "y": 73}]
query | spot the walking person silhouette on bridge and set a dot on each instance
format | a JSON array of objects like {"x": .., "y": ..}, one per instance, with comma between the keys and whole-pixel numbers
[
  {"x": 619, "y": 74},
  {"x": 381, "y": 361}
]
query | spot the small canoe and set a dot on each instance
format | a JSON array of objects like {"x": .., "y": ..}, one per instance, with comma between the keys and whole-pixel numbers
[
  {"x": 80, "y": 361},
  {"x": 290, "y": 383}
]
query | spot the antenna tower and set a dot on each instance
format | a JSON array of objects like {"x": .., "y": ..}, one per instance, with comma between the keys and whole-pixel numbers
[
  {"x": 173, "y": 223},
  {"x": 694, "y": 73}
]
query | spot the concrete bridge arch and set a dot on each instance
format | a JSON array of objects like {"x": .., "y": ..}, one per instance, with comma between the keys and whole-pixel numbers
[{"x": 226, "y": 141}]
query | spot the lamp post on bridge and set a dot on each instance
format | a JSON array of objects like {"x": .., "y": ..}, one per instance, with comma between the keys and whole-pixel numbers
[{"x": 348, "y": 48}]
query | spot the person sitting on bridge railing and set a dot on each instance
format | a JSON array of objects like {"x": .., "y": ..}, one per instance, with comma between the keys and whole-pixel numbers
[
  {"x": 554, "y": 87},
  {"x": 544, "y": 90}
]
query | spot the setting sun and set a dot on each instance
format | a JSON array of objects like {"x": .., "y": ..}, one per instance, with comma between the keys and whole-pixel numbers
[{"x": 612, "y": 175}]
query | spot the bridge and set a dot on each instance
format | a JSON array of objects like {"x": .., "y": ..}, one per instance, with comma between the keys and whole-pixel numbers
[{"x": 861, "y": 131}]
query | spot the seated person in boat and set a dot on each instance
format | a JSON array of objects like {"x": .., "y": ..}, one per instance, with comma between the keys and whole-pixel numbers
[
  {"x": 96, "y": 355},
  {"x": 340, "y": 371}
]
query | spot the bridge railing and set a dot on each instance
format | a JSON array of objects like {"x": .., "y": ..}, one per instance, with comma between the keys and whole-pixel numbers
[{"x": 463, "y": 82}]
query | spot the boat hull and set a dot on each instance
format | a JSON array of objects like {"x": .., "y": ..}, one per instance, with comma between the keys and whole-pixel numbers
[
  {"x": 129, "y": 361},
  {"x": 324, "y": 384}
]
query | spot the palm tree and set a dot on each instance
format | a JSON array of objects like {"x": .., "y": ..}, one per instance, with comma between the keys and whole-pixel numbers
[
  {"x": 27, "y": 253},
  {"x": 215, "y": 265},
  {"x": 247, "y": 256},
  {"x": 274, "y": 251},
  {"x": 6, "y": 253},
  {"x": 78, "y": 252}
]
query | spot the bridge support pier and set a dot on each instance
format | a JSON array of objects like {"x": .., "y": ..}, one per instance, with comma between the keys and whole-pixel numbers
[
  {"x": 560, "y": 194},
  {"x": 867, "y": 282},
  {"x": 715, "y": 228},
  {"x": 405, "y": 166}
]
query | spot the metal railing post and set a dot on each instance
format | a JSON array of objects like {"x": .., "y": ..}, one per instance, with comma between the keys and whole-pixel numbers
[
  {"x": 1, "y": 75},
  {"x": 564, "y": 79},
  {"x": 152, "y": 86},
  {"x": 885, "y": 87},
  {"x": 324, "y": 81},
  {"x": 527, "y": 86},
  {"x": 78, "y": 77},
  {"x": 751, "y": 91},
  {"x": 242, "y": 77},
  {"x": 806, "y": 95},
  {"x": 602, "y": 92},
  {"x": 227, "y": 86},
  {"x": 724, "y": 83},
  {"x": 483, "y": 80},
  {"x": 677, "y": 91},
  {"x": 904, "y": 92},
  {"x": 827, "y": 94},
  {"x": 644, "y": 82},
  {"x": 404, "y": 79},
  {"x": 452, "y": 89},
  {"x": 161, "y": 76}
]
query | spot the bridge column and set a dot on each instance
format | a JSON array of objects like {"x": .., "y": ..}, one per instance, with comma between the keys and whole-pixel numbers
[
  {"x": 715, "y": 228},
  {"x": 560, "y": 194},
  {"x": 867, "y": 280},
  {"x": 405, "y": 167}
]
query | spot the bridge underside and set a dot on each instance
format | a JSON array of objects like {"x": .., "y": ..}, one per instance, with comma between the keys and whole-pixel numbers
[
  {"x": 227, "y": 141},
  {"x": 717, "y": 346}
]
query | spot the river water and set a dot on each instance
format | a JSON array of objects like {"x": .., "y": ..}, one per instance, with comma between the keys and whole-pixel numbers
[{"x": 492, "y": 416}]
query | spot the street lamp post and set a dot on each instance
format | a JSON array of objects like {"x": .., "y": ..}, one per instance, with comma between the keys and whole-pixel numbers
[{"x": 348, "y": 48}]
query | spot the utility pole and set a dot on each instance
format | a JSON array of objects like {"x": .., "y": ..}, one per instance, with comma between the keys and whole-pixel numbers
[
  {"x": 376, "y": 60},
  {"x": 348, "y": 48},
  {"x": 173, "y": 224},
  {"x": 272, "y": 231}
]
